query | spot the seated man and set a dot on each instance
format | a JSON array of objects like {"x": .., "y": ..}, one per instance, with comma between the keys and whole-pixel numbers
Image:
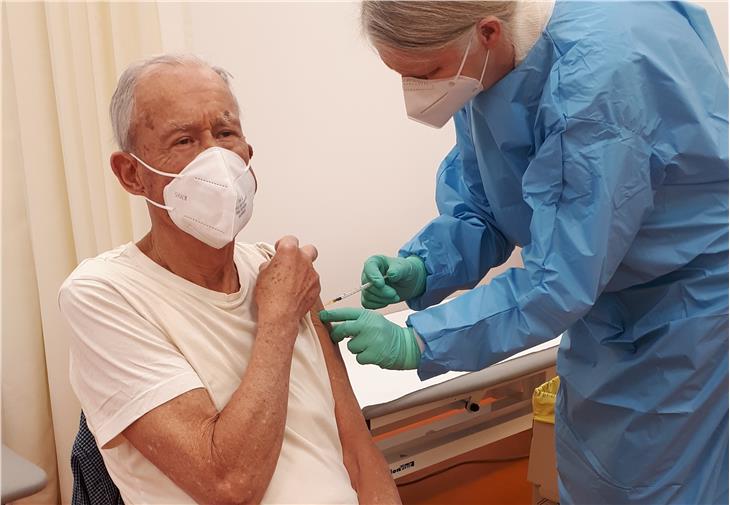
[{"x": 200, "y": 370}]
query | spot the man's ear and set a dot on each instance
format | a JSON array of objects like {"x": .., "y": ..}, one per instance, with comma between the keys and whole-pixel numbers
[
  {"x": 126, "y": 169},
  {"x": 255, "y": 179}
]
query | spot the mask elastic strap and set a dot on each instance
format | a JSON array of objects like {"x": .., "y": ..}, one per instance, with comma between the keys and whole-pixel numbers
[
  {"x": 463, "y": 60},
  {"x": 484, "y": 69},
  {"x": 255, "y": 179},
  {"x": 166, "y": 207},
  {"x": 158, "y": 172}
]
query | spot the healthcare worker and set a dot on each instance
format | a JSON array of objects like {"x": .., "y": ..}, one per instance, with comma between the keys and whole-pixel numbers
[{"x": 594, "y": 136}]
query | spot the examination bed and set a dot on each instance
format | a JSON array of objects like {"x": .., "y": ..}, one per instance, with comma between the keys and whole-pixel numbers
[{"x": 420, "y": 424}]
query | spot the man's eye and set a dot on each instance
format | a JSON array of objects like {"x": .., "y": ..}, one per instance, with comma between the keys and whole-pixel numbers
[
  {"x": 226, "y": 133},
  {"x": 184, "y": 141}
]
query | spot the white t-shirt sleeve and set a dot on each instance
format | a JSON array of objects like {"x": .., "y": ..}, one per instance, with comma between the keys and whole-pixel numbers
[{"x": 121, "y": 365}]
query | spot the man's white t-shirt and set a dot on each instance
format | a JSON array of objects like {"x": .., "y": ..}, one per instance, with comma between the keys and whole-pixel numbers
[{"x": 143, "y": 336}]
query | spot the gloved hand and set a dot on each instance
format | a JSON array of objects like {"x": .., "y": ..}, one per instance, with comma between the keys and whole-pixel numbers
[
  {"x": 375, "y": 340},
  {"x": 393, "y": 280}
]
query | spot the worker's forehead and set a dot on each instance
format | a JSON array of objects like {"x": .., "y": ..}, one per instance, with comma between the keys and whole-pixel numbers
[{"x": 410, "y": 62}]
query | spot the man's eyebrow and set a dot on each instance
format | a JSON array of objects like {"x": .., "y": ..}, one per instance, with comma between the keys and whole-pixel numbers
[{"x": 175, "y": 126}]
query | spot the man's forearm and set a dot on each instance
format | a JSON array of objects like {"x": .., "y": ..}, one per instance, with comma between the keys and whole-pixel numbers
[
  {"x": 374, "y": 483},
  {"x": 225, "y": 457},
  {"x": 248, "y": 434},
  {"x": 368, "y": 469}
]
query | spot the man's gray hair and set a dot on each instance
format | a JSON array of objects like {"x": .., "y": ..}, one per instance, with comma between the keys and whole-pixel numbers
[{"x": 121, "y": 109}]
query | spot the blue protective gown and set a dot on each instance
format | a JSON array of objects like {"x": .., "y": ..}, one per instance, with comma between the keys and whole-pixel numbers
[{"x": 604, "y": 155}]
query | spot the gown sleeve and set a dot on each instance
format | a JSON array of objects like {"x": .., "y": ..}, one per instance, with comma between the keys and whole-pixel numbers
[
  {"x": 460, "y": 245},
  {"x": 589, "y": 187}
]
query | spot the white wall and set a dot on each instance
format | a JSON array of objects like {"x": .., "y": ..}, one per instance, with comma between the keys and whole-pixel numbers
[{"x": 338, "y": 162}]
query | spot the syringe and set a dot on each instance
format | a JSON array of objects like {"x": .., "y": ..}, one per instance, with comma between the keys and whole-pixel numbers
[{"x": 348, "y": 294}]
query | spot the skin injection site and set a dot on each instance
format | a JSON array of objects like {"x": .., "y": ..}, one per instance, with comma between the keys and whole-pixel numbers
[{"x": 365, "y": 252}]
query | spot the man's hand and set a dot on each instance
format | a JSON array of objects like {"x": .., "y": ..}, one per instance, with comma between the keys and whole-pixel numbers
[
  {"x": 287, "y": 286},
  {"x": 375, "y": 339}
]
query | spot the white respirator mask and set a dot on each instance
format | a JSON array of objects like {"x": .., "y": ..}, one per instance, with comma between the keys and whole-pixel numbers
[
  {"x": 211, "y": 198},
  {"x": 434, "y": 101}
]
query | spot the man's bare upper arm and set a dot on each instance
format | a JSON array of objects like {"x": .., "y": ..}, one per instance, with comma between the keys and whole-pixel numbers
[
  {"x": 368, "y": 470},
  {"x": 341, "y": 387},
  {"x": 350, "y": 421}
]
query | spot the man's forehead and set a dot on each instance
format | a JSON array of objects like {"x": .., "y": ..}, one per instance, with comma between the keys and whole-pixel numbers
[
  {"x": 229, "y": 116},
  {"x": 174, "y": 71},
  {"x": 177, "y": 97},
  {"x": 174, "y": 81}
]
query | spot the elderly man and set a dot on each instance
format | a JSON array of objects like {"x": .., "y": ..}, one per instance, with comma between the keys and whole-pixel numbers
[{"x": 195, "y": 359}]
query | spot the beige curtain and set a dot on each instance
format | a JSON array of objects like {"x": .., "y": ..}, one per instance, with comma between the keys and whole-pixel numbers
[{"x": 60, "y": 201}]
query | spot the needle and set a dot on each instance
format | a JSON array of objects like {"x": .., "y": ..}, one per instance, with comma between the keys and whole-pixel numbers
[{"x": 348, "y": 294}]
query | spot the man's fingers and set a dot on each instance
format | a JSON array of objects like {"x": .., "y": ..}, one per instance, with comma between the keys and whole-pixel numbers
[
  {"x": 338, "y": 315},
  {"x": 291, "y": 243},
  {"x": 310, "y": 251},
  {"x": 287, "y": 241},
  {"x": 263, "y": 266}
]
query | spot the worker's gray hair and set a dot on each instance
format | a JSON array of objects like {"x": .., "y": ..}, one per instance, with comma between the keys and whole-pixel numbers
[
  {"x": 423, "y": 24},
  {"x": 121, "y": 108}
]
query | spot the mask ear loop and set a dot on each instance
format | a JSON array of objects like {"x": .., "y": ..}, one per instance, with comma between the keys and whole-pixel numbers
[
  {"x": 166, "y": 207},
  {"x": 463, "y": 60},
  {"x": 484, "y": 68},
  {"x": 452, "y": 82},
  {"x": 158, "y": 172},
  {"x": 255, "y": 179},
  {"x": 248, "y": 168}
]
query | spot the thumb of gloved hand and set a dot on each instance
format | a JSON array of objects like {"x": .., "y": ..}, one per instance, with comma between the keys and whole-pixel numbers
[
  {"x": 398, "y": 271},
  {"x": 407, "y": 276}
]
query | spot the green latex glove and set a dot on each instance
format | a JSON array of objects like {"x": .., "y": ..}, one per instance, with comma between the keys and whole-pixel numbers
[
  {"x": 375, "y": 340},
  {"x": 393, "y": 280}
]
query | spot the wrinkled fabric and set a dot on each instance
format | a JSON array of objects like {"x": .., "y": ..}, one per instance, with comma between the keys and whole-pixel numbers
[
  {"x": 92, "y": 483},
  {"x": 604, "y": 155}
]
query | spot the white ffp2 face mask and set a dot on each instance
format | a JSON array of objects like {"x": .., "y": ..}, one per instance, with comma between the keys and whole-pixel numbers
[
  {"x": 211, "y": 198},
  {"x": 434, "y": 101}
]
